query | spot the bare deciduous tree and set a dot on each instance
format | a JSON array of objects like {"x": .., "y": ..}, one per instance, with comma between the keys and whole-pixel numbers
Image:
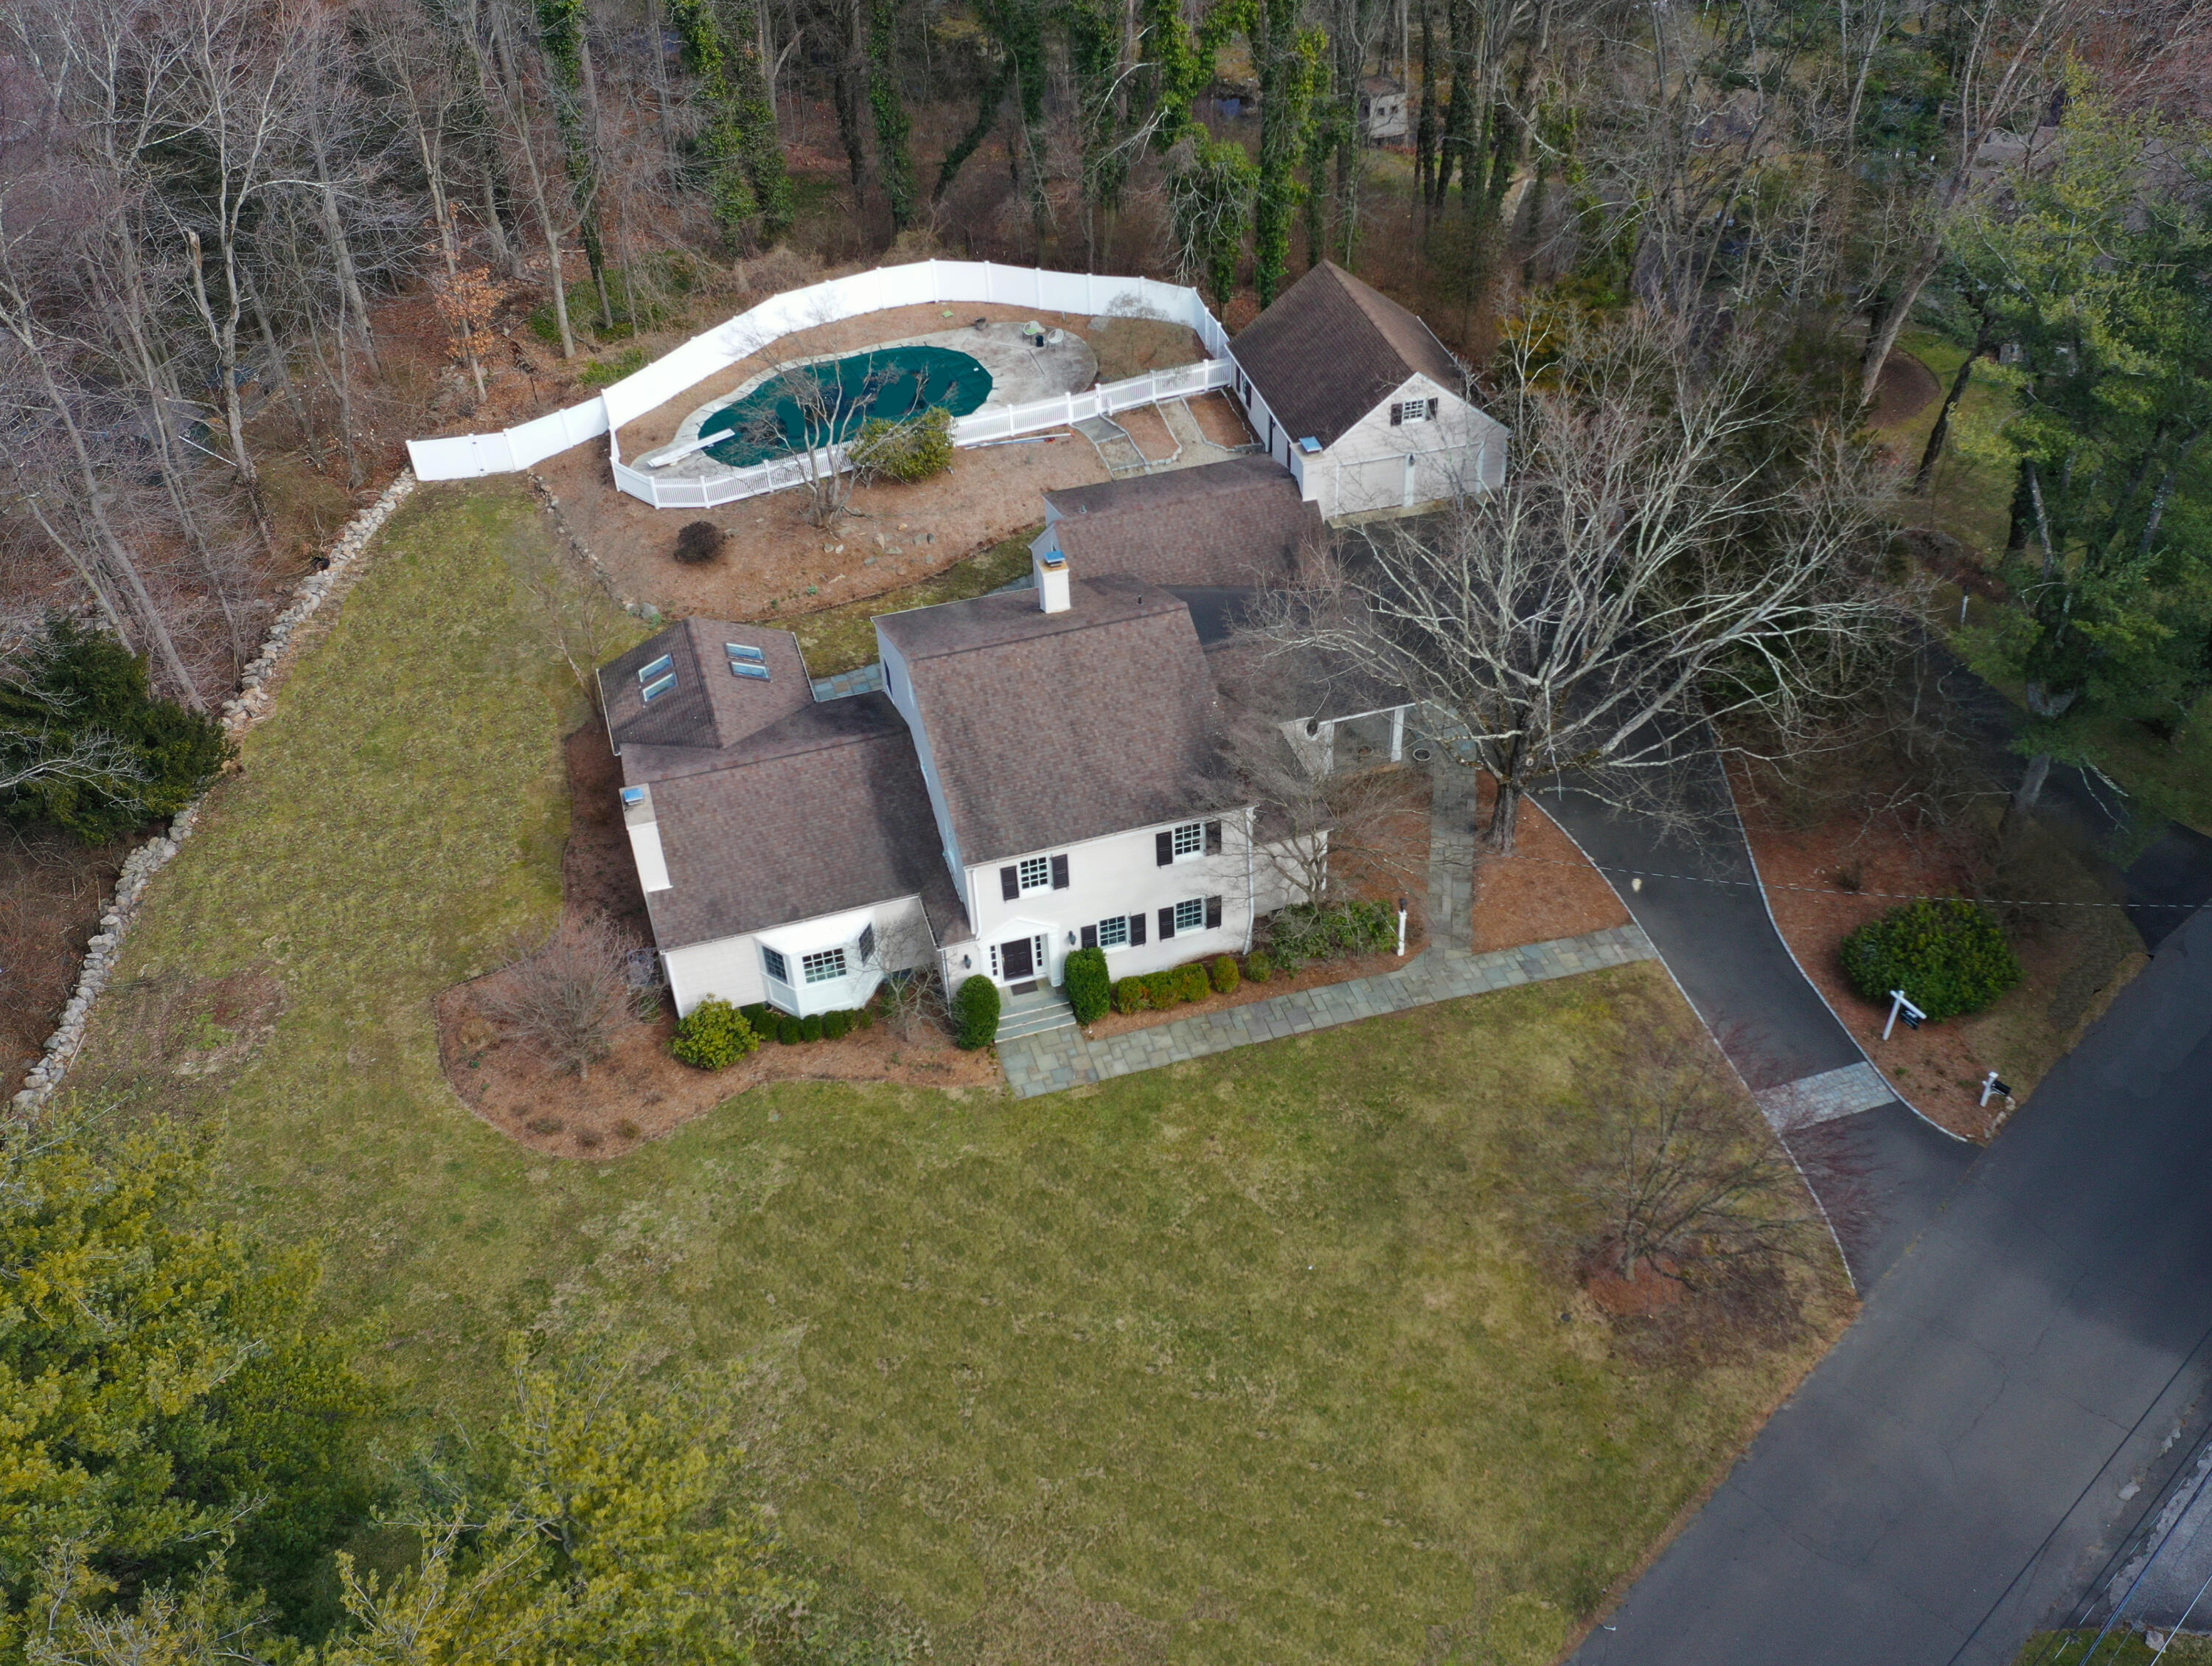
[
  {"x": 564, "y": 1001},
  {"x": 1655, "y": 562},
  {"x": 1686, "y": 1170}
]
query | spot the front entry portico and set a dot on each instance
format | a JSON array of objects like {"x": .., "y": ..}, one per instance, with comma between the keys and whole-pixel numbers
[{"x": 1016, "y": 961}]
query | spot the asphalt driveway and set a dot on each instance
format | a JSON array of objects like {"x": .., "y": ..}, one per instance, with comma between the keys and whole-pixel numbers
[{"x": 1952, "y": 1474}]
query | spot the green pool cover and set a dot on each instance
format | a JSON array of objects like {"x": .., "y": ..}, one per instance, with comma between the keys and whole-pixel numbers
[{"x": 891, "y": 382}]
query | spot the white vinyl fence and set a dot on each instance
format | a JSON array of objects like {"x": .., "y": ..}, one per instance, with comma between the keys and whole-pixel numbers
[{"x": 927, "y": 282}]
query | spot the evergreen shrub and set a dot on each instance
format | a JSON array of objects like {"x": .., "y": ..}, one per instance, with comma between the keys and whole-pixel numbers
[
  {"x": 1328, "y": 930},
  {"x": 1130, "y": 996},
  {"x": 1222, "y": 968},
  {"x": 907, "y": 450},
  {"x": 786, "y": 1029},
  {"x": 78, "y": 684},
  {"x": 835, "y": 1026},
  {"x": 1089, "y": 989},
  {"x": 810, "y": 1027},
  {"x": 1950, "y": 958},
  {"x": 978, "y": 1014},
  {"x": 713, "y": 1036},
  {"x": 1191, "y": 982},
  {"x": 1258, "y": 967}
]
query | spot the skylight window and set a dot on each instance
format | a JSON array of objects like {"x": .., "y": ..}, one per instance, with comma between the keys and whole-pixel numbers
[
  {"x": 659, "y": 686},
  {"x": 665, "y": 662},
  {"x": 746, "y": 661},
  {"x": 745, "y": 668},
  {"x": 739, "y": 651}
]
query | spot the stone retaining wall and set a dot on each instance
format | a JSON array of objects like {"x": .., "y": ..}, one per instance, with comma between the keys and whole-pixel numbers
[{"x": 257, "y": 687}]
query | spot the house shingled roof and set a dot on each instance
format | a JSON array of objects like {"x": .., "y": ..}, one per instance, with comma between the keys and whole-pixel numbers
[
  {"x": 1237, "y": 522},
  {"x": 1050, "y": 728},
  {"x": 1331, "y": 349},
  {"x": 823, "y": 810},
  {"x": 709, "y": 707}
]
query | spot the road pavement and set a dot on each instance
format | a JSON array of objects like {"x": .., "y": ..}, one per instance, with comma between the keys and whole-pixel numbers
[
  {"x": 1882, "y": 1171},
  {"x": 2014, "y": 1395}
]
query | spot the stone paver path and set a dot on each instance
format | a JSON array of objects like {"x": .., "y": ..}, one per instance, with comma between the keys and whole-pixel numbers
[
  {"x": 1447, "y": 969},
  {"x": 1063, "y": 1058}
]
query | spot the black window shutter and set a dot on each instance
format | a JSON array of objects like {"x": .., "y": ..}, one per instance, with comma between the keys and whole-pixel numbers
[
  {"x": 868, "y": 943},
  {"x": 1214, "y": 914},
  {"x": 1213, "y": 838},
  {"x": 1090, "y": 937},
  {"x": 1136, "y": 930},
  {"x": 1010, "y": 883},
  {"x": 1163, "y": 848},
  {"x": 1059, "y": 873},
  {"x": 1167, "y": 922},
  {"x": 1397, "y": 415}
]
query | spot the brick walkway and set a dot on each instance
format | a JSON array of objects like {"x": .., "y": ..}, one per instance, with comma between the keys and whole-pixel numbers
[{"x": 1445, "y": 970}]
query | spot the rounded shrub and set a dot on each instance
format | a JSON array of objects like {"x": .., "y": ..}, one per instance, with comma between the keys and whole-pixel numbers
[
  {"x": 698, "y": 542},
  {"x": 1162, "y": 991},
  {"x": 1258, "y": 967},
  {"x": 908, "y": 450},
  {"x": 1222, "y": 970},
  {"x": 761, "y": 1016},
  {"x": 1090, "y": 991},
  {"x": 835, "y": 1026},
  {"x": 810, "y": 1027},
  {"x": 1949, "y": 957},
  {"x": 1191, "y": 981},
  {"x": 1131, "y": 995},
  {"x": 786, "y": 1029},
  {"x": 977, "y": 1012},
  {"x": 713, "y": 1036}
]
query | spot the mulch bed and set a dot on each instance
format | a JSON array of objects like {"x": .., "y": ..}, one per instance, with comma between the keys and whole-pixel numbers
[
  {"x": 1546, "y": 888},
  {"x": 1939, "y": 1068},
  {"x": 640, "y": 1092}
]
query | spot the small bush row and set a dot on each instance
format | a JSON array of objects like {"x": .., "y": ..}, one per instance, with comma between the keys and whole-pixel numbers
[
  {"x": 1155, "y": 992},
  {"x": 716, "y": 1035}
]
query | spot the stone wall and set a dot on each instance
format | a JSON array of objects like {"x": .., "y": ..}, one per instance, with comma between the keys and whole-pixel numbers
[{"x": 257, "y": 688}]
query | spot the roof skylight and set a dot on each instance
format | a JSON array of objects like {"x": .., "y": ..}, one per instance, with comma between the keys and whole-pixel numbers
[
  {"x": 739, "y": 651},
  {"x": 746, "y": 661},
  {"x": 665, "y": 662},
  {"x": 660, "y": 686}
]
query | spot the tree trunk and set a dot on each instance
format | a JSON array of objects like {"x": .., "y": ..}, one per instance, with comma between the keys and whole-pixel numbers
[
  {"x": 1504, "y": 815},
  {"x": 2024, "y": 798},
  {"x": 1926, "y": 473}
]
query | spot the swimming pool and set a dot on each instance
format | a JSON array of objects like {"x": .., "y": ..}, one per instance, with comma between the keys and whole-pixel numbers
[{"x": 891, "y": 382}]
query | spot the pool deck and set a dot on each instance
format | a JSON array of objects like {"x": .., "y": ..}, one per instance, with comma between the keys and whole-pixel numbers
[{"x": 1019, "y": 373}]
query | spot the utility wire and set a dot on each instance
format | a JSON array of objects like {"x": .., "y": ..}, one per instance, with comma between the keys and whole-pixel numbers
[{"x": 1828, "y": 891}]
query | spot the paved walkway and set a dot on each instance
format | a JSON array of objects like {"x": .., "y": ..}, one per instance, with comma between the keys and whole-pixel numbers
[
  {"x": 1883, "y": 1172},
  {"x": 1445, "y": 970},
  {"x": 1062, "y": 1059}
]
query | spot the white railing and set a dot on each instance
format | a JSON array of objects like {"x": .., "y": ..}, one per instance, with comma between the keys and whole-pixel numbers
[
  {"x": 468, "y": 455},
  {"x": 676, "y": 492}
]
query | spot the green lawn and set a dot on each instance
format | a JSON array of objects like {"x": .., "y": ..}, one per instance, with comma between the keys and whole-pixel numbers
[
  {"x": 1276, "y": 1358},
  {"x": 2118, "y": 1649},
  {"x": 1969, "y": 498}
]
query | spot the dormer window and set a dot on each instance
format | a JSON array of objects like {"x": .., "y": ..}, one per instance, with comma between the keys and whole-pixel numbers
[{"x": 657, "y": 678}]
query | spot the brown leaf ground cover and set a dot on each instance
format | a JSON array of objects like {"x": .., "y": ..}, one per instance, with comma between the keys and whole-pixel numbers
[{"x": 1826, "y": 879}]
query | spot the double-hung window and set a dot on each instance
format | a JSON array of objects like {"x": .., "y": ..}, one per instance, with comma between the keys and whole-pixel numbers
[
  {"x": 1413, "y": 411},
  {"x": 1114, "y": 933},
  {"x": 821, "y": 967},
  {"x": 1180, "y": 844},
  {"x": 1037, "y": 872},
  {"x": 776, "y": 966},
  {"x": 1190, "y": 914}
]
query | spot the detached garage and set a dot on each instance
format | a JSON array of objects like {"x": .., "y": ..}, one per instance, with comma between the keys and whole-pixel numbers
[{"x": 1359, "y": 400}]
